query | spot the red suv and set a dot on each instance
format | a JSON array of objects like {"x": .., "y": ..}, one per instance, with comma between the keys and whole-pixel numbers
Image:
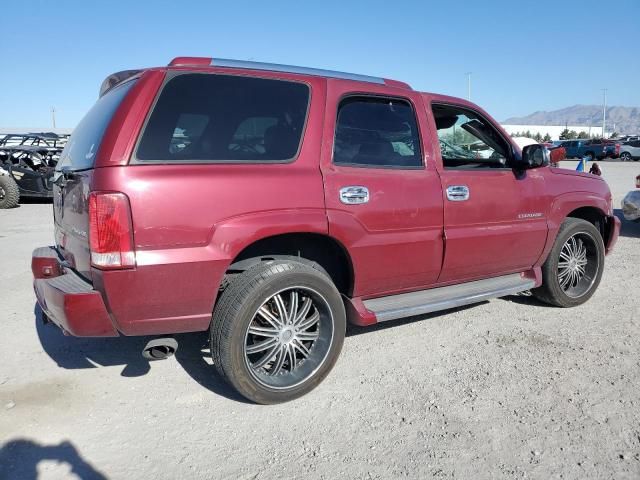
[{"x": 271, "y": 204}]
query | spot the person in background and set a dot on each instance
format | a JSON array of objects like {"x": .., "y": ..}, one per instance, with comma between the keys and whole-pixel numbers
[{"x": 595, "y": 169}]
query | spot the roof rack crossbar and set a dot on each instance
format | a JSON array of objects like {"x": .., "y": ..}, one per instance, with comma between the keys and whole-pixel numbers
[{"x": 274, "y": 67}]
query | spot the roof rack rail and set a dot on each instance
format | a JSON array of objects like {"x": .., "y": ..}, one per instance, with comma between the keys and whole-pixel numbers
[{"x": 275, "y": 67}]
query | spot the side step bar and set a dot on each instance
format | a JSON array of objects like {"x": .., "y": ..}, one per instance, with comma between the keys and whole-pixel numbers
[{"x": 443, "y": 298}]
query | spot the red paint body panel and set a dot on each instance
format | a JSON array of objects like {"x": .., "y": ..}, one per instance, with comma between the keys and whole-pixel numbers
[
  {"x": 502, "y": 228},
  {"x": 614, "y": 233},
  {"x": 190, "y": 221},
  {"x": 70, "y": 302},
  {"x": 485, "y": 236},
  {"x": 123, "y": 131},
  {"x": 395, "y": 240}
]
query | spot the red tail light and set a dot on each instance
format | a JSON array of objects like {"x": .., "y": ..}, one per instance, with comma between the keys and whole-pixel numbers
[
  {"x": 110, "y": 231},
  {"x": 617, "y": 149}
]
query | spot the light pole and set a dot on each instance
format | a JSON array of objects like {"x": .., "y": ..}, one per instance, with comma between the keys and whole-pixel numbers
[
  {"x": 53, "y": 116},
  {"x": 604, "y": 112},
  {"x": 469, "y": 85}
]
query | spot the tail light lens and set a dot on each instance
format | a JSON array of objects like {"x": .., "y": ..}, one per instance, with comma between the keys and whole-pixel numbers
[{"x": 110, "y": 231}]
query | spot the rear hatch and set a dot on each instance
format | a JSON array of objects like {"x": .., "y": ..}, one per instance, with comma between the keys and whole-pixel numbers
[{"x": 73, "y": 180}]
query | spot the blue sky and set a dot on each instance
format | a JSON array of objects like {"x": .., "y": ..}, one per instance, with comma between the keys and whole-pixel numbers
[{"x": 525, "y": 56}]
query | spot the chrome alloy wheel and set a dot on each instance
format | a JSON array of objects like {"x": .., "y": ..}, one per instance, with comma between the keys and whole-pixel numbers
[
  {"x": 289, "y": 337},
  {"x": 578, "y": 265}
]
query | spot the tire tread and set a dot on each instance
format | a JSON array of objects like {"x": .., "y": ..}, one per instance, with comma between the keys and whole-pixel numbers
[
  {"x": 238, "y": 288},
  {"x": 11, "y": 192},
  {"x": 547, "y": 292}
]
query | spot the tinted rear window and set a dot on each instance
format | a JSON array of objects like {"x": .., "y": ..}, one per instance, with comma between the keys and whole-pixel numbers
[
  {"x": 80, "y": 151},
  {"x": 208, "y": 117}
]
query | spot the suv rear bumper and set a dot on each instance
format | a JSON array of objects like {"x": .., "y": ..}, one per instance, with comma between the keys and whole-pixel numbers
[{"x": 67, "y": 299}]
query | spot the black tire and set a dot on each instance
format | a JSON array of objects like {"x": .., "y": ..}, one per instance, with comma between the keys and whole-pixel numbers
[
  {"x": 234, "y": 318},
  {"x": 9, "y": 192},
  {"x": 551, "y": 291},
  {"x": 625, "y": 156}
]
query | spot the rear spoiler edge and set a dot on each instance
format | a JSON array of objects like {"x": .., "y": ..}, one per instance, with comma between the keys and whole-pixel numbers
[{"x": 115, "y": 79}]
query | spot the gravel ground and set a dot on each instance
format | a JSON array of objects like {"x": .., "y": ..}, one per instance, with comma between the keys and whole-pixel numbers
[{"x": 505, "y": 389}]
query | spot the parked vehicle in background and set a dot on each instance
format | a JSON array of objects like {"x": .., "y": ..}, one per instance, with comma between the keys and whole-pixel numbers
[
  {"x": 631, "y": 203},
  {"x": 627, "y": 138},
  {"x": 630, "y": 151},
  {"x": 9, "y": 191},
  {"x": 49, "y": 142},
  {"x": 611, "y": 148},
  {"x": 595, "y": 148},
  {"x": 27, "y": 172},
  {"x": 27, "y": 166},
  {"x": 270, "y": 204}
]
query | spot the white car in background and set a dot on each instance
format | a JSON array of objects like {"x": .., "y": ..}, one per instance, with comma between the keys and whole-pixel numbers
[
  {"x": 631, "y": 203},
  {"x": 630, "y": 151},
  {"x": 524, "y": 141}
]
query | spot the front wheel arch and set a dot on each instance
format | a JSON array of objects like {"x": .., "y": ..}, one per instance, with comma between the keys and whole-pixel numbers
[{"x": 554, "y": 289}]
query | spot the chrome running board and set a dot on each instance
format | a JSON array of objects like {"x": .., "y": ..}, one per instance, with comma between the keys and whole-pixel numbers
[{"x": 443, "y": 298}]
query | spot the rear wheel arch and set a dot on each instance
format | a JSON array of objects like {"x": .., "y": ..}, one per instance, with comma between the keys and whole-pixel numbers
[{"x": 320, "y": 251}]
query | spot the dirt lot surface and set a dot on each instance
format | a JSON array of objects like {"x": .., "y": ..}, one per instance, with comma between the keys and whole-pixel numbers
[{"x": 505, "y": 389}]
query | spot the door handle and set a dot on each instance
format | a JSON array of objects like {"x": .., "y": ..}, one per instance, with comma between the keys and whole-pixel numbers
[
  {"x": 458, "y": 193},
  {"x": 354, "y": 195}
]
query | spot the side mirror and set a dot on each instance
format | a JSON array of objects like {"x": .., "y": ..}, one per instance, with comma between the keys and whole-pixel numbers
[{"x": 534, "y": 156}]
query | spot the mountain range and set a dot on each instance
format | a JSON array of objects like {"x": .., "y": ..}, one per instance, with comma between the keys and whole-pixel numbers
[{"x": 625, "y": 119}]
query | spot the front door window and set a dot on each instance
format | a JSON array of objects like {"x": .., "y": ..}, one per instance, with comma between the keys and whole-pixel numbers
[{"x": 467, "y": 140}]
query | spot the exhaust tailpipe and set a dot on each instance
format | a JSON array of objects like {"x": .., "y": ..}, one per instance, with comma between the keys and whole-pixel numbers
[{"x": 160, "y": 348}]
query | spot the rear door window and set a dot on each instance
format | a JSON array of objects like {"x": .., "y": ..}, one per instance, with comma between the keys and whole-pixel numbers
[
  {"x": 82, "y": 147},
  {"x": 376, "y": 132},
  {"x": 225, "y": 118}
]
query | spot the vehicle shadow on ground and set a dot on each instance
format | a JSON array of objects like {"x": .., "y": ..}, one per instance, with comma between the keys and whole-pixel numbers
[
  {"x": 353, "y": 330},
  {"x": 19, "y": 459},
  {"x": 526, "y": 298},
  {"x": 77, "y": 353},
  {"x": 627, "y": 229},
  {"x": 194, "y": 356}
]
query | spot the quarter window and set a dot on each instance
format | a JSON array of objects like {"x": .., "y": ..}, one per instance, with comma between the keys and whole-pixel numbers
[
  {"x": 208, "y": 117},
  {"x": 376, "y": 132}
]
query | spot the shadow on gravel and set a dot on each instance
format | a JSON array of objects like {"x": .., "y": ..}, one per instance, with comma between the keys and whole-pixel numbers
[
  {"x": 19, "y": 459},
  {"x": 628, "y": 229},
  {"x": 195, "y": 357},
  {"x": 525, "y": 298},
  {"x": 78, "y": 353}
]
